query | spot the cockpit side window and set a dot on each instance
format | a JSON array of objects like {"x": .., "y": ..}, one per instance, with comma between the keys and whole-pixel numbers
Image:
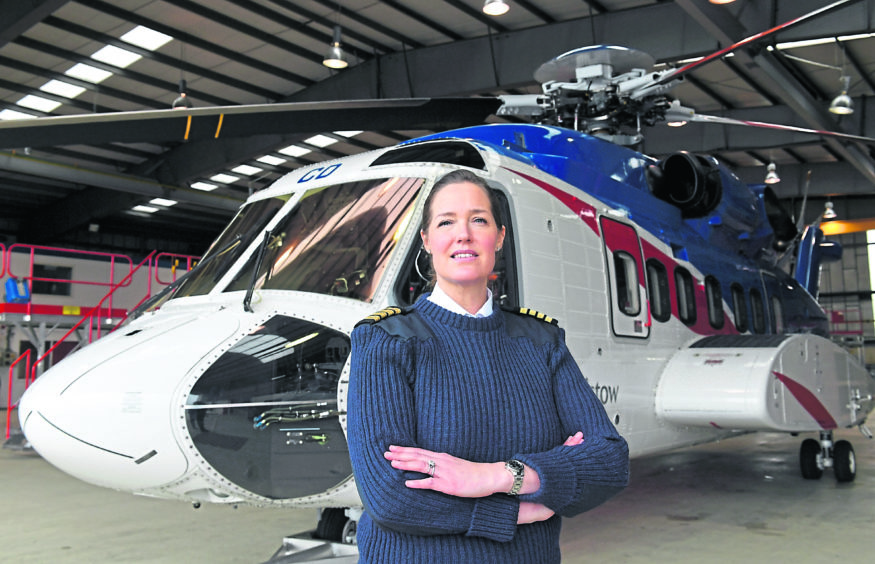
[{"x": 223, "y": 253}]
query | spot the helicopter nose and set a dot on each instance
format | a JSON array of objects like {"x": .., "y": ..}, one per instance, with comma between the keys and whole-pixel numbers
[{"x": 103, "y": 414}]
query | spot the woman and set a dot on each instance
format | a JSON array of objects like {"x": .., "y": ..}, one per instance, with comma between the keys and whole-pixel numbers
[{"x": 471, "y": 429}]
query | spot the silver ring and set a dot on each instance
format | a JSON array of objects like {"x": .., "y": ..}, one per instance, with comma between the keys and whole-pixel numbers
[{"x": 431, "y": 467}]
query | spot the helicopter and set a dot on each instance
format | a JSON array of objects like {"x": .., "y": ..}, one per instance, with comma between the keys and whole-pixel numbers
[{"x": 669, "y": 277}]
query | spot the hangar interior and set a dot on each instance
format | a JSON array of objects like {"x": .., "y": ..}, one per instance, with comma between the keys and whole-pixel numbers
[
  {"x": 58, "y": 58},
  {"x": 110, "y": 195},
  {"x": 65, "y": 58}
]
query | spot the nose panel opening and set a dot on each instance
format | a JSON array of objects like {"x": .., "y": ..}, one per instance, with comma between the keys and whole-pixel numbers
[{"x": 265, "y": 414}]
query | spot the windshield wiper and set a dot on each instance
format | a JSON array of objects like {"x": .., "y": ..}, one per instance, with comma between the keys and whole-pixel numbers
[{"x": 265, "y": 243}]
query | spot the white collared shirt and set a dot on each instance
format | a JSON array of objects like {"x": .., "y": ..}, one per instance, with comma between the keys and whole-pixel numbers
[{"x": 439, "y": 297}]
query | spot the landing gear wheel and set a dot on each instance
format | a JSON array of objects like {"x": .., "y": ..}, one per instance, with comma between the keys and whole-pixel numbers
[
  {"x": 331, "y": 524},
  {"x": 844, "y": 462},
  {"x": 808, "y": 454},
  {"x": 349, "y": 531}
]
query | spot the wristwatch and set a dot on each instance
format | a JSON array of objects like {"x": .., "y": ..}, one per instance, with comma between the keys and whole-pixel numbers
[{"x": 518, "y": 471}]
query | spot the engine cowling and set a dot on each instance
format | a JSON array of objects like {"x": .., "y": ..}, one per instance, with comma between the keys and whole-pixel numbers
[{"x": 689, "y": 181}]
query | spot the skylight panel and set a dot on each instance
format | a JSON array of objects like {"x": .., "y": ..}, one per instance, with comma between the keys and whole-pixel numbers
[
  {"x": 294, "y": 151},
  {"x": 113, "y": 55},
  {"x": 60, "y": 88},
  {"x": 163, "y": 202},
  {"x": 145, "y": 209},
  {"x": 321, "y": 140},
  {"x": 224, "y": 178},
  {"x": 247, "y": 169},
  {"x": 89, "y": 73},
  {"x": 271, "y": 160},
  {"x": 146, "y": 38},
  {"x": 204, "y": 186},
  {"x": 38, "y": 103},
  {"x": 347, "y": 134},
  {"x": 14, "y": 114}
]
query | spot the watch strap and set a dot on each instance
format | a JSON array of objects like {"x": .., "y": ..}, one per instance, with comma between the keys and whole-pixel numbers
[{"x": 518, "y": 471}]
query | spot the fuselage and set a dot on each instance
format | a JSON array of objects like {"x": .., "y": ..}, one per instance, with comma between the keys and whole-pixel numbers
[{"x": 233, "y": 388}]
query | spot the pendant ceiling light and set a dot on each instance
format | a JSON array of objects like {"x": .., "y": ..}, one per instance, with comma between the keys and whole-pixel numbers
[
  {"x": 828, "y": 211},
  {"x": 182, "y": 102},
  {"x": 772, "y": 174},
  {"x": 495, "y": 7},
  {"x": 843, "y": 104},
  {"x": 336, "y": 58}
]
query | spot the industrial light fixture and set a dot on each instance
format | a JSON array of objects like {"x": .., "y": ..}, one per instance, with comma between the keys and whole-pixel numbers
[
  {"x": 182, "y": 102},
  {"x": 828, "y": 211},
  {"x": 772, "y": 174},
  {"x": 336, "y": 58},
  {"x": 495, "y": 7},
  {"x": 842, "y": 104},
  {"x": 720, "y": 2}
]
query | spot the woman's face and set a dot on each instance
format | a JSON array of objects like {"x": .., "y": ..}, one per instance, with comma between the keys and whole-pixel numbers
[{"x": 462, "y": 236}]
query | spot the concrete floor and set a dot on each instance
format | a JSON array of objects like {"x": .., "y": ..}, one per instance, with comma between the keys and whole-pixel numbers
[{"x": 741, "y": 500}]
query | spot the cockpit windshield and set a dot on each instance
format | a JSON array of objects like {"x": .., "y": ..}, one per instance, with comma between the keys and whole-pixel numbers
[{"x": 337, "y": 240}]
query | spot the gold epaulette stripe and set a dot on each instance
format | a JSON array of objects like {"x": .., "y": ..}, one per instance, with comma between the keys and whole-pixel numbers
[
  {"x": 538, "y": 315},
  {"x": 382, "y": 314}
]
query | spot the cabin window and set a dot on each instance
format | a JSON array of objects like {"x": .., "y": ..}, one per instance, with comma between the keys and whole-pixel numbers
[
  {"x": 657, "y": 286},
  {"x": 626, "y": 270},
  {"x": 777, "y": 315},
  {"x": 715, "y": 302},
  {"x": 758, "y": 311},
  {"x": 739, "y": 306},
  {"x": 686, "y": 293}
]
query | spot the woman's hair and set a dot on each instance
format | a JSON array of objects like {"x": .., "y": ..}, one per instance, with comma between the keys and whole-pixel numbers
[{"x": 456, "y": 177}]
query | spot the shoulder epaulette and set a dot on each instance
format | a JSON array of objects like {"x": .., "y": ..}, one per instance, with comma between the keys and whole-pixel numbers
[
  {"x": 532, "y": 313},
  {"x": 381, "y": 315}
]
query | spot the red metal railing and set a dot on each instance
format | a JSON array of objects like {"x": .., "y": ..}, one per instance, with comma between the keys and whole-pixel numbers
[
  {"x": 175, "y": 259},
  {"x": 32, "y": 251},
  {"x": 89, "y": 316},
  {"x": 25, "y": 355},
  {"x": 151, "y": 262}
]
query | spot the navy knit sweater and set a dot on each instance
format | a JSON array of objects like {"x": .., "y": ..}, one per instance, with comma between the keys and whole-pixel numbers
[{"x": 484, "y": 389}]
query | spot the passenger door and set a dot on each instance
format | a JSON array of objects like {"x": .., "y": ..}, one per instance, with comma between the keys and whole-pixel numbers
[{"x": 630, "y": 316}]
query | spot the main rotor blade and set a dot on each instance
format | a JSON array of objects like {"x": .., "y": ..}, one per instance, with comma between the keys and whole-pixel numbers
[
  {"x": 163, "y": 126},
  {"x": 780, "y": 127},
  {"x": 686, "y": 69}
]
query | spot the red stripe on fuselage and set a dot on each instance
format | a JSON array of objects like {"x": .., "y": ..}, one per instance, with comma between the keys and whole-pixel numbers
[
  {"x": 583, "y": 210},
  {"x": 587, "y": 213},
  {"x": 808, "y": 401}
]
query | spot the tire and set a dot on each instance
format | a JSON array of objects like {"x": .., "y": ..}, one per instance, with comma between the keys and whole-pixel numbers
[
  {"x": 844, "y": 462},
  {"x": 348, "y": 536},
  {"x": 331, "y": 524},
  {"x": 808, "y": 454}
]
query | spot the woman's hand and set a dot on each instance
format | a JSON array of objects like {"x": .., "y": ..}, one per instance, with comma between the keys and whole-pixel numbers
[
  {"x": 463, "y": 478},
  {"x": 532, "y": 513},
  {"x": 573, "y": 440},
  {"x": 449, "y": 474}
]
